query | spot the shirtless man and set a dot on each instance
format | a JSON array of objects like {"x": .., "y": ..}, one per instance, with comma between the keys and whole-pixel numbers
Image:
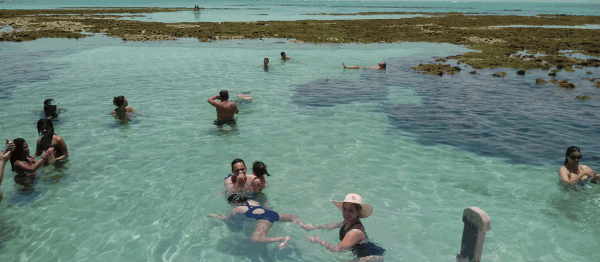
[
  {"x": 236, "y": 182},
  {"x": 225, "y": 109},
  {"x": 380, "y": 66}
]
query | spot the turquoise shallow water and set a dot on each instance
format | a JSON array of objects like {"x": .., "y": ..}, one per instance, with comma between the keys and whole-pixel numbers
[
  {"x": 141, "y": 191},
  {"x": 418, "y": 148}
]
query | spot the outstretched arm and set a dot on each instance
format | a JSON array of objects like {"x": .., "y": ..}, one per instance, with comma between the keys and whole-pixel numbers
[
  {"x": 352, "y": 238},
  {"x": 329, "y": 226}
]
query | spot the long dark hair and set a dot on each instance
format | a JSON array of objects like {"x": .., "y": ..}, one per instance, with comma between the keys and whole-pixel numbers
[
  {"x": 259, "y": 169},
  {"x": 570, "y": 151},
  {"x": 118, "y": 101},
  {"x": 18, "y": 153},
  {"x": 44, "y": 122}
]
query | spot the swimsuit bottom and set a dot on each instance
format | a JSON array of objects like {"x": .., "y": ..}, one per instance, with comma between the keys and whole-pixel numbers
[
  {"x": 230, "y": 122},
  {"x": 367, "y": 249},
  {"x": 24, "y": 180},
  {"x": 268, "y": 215}
]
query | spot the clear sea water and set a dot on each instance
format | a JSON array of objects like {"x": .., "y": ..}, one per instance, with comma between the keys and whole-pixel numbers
[{"x": 419, "y": 148}]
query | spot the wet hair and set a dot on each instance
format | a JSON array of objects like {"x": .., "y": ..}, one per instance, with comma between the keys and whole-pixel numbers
[
  {"x": 18, "y": 153},
  {"x": 283, "y": 54},
  {"x": 235, "y": 161},
  {"x": 259, "y": 169},
  {"x": 224, "y": 96},
  {"x": 44, "y": 122},
  {"x": 236, "y": 199},
  {"x": 570, "y": 151},
  {"x": 383, "y": 65},
  {"x": 50, "y": 108},
  {"x": 119, "y": 101},
  {"x": 266, "y": 59}
]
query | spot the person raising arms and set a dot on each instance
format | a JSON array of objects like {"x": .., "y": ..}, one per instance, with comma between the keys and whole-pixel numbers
[{"x": 225, "y": 109}]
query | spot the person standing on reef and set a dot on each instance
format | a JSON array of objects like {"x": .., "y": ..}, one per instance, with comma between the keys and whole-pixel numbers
[
  {"x": 380, "y": 66},
  {"x": 225, "y": 108},
  {"x": 284, "y": 57}
]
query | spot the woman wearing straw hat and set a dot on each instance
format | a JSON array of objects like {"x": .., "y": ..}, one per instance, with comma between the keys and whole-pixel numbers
[{"x": 352, "y": 232}]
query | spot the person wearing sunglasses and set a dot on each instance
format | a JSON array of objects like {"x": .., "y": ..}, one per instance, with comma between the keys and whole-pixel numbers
[{"x": 572, "y": 172}]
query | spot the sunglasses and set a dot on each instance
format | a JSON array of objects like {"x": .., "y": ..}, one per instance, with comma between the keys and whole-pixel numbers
[{"x": 575, "y": 157}]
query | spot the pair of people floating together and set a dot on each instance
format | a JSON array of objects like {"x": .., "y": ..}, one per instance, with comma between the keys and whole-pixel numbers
[
  {"x": 352, "y": 233},
  {"x": 381, "y": 66},
  {"x": 574, "y": 174},
  {"x": 50, "y": 148}
]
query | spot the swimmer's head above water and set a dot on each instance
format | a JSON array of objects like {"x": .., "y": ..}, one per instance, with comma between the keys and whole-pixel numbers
[
  {"x": 238, "y": 165},
  {"x": 572, "y": 154},
  {"x": 259, "y": 169},
  {"x": 223, "y": 95},
  {"x": 382, "y": 65},
  {"x": 120, "y": 101},
  {"x": 45, "y": 127},
  {"x": 236, "y": 199}
]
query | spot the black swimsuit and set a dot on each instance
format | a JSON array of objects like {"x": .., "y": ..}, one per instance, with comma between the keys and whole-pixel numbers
[{"x": 363, "y": 249}]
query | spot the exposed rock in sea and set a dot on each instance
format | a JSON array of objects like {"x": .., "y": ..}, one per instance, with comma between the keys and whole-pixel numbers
[
  {"x": 436, "y": 69},
  {"x": 540, "y": 81},
  {"x": 597, "y": 84},
  {"x": 501, "y": 74},
  {"x": 473, "y": 72},
  {"x": 582, "y": 97},
  {"x": 566, "y": 84},
  {"x": 521, "y": 72}
]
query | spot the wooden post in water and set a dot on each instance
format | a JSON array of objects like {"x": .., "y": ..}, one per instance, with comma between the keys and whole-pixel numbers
[{"x": 477, "y": 222}]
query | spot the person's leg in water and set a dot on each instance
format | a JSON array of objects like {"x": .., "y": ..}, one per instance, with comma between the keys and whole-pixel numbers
[
  {"x": 260, "y": 234},
  {"x": 263, "y": 227}
]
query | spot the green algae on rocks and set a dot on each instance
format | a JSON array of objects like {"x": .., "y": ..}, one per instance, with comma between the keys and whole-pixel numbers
[{"x": 495, "y": 45}]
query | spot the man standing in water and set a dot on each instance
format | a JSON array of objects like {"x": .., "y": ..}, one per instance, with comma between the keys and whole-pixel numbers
[{"x": 225, "y": 109}]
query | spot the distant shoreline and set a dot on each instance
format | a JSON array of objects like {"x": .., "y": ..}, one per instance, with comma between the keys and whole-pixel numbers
[{"x": 497, "y": 46}]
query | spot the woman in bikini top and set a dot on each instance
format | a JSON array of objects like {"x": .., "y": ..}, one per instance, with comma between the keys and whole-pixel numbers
[
  {"x": 352, "y": 232},
  {"x": 574, "y": 173}
]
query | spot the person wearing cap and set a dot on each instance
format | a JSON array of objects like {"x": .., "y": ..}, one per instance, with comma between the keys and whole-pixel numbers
[
  {"x": 225, "y": 109},
  {"x": 50, "y": 109},
  {"x": 352, "y": 232},
  {"x": 265, "y": 218},
  {"x": 255, "y": 182}
]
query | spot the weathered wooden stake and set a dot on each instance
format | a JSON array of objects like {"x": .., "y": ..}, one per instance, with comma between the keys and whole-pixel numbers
[{"x": 477, "y": 222}]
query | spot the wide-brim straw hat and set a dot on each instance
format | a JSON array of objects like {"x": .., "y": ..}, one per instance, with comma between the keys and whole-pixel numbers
[{"x": 366, "y": 209}]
